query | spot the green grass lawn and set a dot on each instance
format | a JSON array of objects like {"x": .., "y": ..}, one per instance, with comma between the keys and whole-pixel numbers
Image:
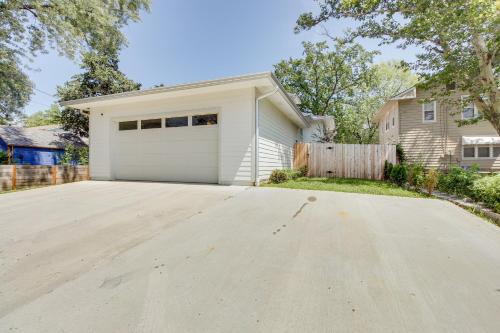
[{"x": 347, "y": 185}]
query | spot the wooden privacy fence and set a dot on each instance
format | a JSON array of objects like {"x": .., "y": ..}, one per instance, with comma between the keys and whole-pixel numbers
[
  {"x": 19, "y": 176},
  {"x": 344, "y": 160}
]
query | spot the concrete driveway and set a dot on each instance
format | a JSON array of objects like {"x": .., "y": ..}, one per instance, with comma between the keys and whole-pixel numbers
[{"x": 153, "y": 257}]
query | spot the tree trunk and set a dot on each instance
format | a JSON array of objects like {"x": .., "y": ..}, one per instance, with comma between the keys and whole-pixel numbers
[{"x": 490, "y": 106}]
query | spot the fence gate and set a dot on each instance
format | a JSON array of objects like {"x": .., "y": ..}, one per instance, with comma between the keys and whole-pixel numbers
[{"x": 344, "y": 160}]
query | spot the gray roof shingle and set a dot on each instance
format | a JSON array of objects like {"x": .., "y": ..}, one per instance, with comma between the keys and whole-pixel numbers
[{"x": 49, "y": 136}]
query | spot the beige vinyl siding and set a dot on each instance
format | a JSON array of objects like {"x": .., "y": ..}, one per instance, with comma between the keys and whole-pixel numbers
[
  {"x": 439, "y": 143},
  {"x": 390, "y": 136},
  {"x": 277, "y": 135}
]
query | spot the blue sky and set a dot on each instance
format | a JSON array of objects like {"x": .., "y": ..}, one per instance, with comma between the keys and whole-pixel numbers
[{"x": 189, "y": 40}]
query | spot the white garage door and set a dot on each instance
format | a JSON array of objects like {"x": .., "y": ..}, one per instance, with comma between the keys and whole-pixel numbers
[{"x": 183, "y": 149}]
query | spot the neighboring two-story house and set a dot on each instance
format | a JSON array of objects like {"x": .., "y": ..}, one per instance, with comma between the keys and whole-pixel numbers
[{"x": 429, "y": 133}]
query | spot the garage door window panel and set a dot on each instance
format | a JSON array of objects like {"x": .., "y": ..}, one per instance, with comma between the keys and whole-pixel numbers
[
  {"x": 176, "y": 122},
  {"x": 150, "y": 123},
  {"x": 206, "y": 119},
  {"x": 127, "y": 125}
]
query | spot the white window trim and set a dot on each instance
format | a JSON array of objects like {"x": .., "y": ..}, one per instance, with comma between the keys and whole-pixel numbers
[
  {"x": 474, "y": 108},
  {"x": 490, "y": 157},
  {"x": 435, "y": 113}
]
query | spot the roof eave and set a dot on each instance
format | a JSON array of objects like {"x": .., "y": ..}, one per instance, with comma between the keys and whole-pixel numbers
[{"x": 185, "y": 86}]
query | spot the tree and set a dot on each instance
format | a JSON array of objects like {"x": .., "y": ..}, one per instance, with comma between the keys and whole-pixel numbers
[
  {"x": 46, "y": 117},
  {"x": 101, "y": 76},
  {"x": 75, "y": 155},
  {"x": 325, "y": 78},
  {"x": 15, "y": 86},
  {"x": 27, "y": 28},
  {"x": 459, "y": 41},
  {"x": 356, "y": 124},
  {"x": 326, "y": 81}
]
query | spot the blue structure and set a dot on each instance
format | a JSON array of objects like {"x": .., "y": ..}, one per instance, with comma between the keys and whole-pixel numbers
[{"x": 43, "y": 145}]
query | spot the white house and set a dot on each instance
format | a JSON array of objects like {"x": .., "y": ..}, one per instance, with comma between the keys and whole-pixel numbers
[
  {"x": 198, "y": 132},
  {"x": 319, "y": 126}
]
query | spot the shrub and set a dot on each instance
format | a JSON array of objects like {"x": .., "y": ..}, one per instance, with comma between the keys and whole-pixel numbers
[
  {"x": 416, "y": 175},
  {"x": 400, "y": 154},
  {"x": 75, "y": 156},
  {"x": 458, "y": 181},
  {"x": 431, "y": 180},
  {"x": 278, "y": 176},
  {"x": 399, "y": 174},
  {"x": 4, "y": 158},
  {"x": 303, "y": 171},
  {"x": 292, "y": 174},
  {"x": 387, "y": 170},
  {"x": 487, "y": 190}
]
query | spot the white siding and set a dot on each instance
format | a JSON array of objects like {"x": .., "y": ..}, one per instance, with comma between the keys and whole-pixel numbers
[
  {"x": 236, "y": 114},
  {"x": 311, "y": 133},
  {"x": 277, "y": 135}
]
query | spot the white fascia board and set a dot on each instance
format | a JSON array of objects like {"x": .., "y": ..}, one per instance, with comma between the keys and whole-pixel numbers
[{"x": 188, "y": 88}]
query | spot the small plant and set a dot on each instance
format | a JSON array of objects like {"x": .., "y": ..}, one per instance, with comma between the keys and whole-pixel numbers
[
  {"x": 387, "y": 170},
  {"x": 292, "y": 174},
  {"x": 459, "y": 181},
  {"x": 278, "y": 176},
  {"x": 416, "y": 175},
  {"x": 303, "y": 171},
  {"x": 399, "y": 174},
  {"x": 431, "y": 180},
  {"x": 4, "y": 157},
  {"x": 487, "y": 190},
  {"x": 400, "y": 154}
]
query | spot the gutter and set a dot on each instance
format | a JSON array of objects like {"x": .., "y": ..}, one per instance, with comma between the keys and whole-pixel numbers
[{"x": 257, "y": 102}]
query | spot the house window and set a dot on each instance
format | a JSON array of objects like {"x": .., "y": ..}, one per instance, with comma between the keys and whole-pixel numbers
[
  {"x": 429, "y": 112},
  {"x": 496, "y": 151},
  {"x": 469, "y": 109},
  {"x": 393, "y": 122},
  {"x": 150, "y": 123},
  {"x": 469, "y": 152},
  {"x": 481, "y": 152},
  {"x": 176, "y": 122},
  {"x": 206, "y": 119},
  {"x": 127, "y": 125}
]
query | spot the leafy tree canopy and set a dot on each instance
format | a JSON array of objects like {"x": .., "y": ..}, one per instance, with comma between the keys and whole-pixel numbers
[
  {"x": 459, "y": 40},
  {"x": 71, "y": 27},
  {"x": 355, "y": 122},
  {"x": 101, "y": 76},
  {"x": 325, "y": 77},
  {"x": 46, "y": 117}
]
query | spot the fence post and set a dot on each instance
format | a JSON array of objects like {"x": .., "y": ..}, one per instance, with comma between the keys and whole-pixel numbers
[
  {"x": 53, "y": 171},
  {"x": 14, "y": 176}
]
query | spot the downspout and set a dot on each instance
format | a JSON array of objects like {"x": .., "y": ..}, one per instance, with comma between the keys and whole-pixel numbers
[{"x": 256, "y": 164}]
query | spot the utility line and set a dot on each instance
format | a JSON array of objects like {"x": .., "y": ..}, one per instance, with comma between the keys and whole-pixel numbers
[{"x": 44, "y": 92}]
